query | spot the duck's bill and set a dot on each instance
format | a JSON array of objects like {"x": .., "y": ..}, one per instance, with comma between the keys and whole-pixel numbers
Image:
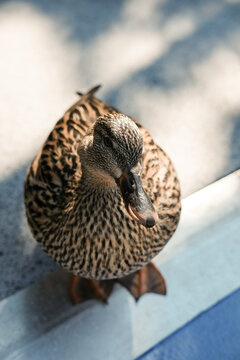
[{"x": 137, "y": 202}]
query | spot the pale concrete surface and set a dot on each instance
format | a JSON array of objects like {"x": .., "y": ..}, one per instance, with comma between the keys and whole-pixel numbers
[
  {"x": 200, "y": 268},
  {"x": 173, "y": 65}
]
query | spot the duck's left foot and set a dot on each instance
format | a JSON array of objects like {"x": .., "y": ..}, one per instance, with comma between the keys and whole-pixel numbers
[
  {"x": 147, "y": 279},
  {"x": 86, "y": 289}
]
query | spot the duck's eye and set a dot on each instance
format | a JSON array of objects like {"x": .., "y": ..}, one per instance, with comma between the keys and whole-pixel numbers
[{"x": 107, "y": 142}]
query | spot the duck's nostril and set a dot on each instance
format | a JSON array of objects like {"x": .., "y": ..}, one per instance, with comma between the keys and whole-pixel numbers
[
  {"x": 152, "y": 219},
  {"x": 150, "y": 222}
]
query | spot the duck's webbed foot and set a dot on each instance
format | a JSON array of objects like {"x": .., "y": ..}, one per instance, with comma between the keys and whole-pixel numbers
[
  {"x": 147, "y": 279},
  {"x": 86, "y": 289}
]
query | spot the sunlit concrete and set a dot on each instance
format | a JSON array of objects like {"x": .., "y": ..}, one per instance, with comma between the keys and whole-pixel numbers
[{"x": 133, "y": 43}]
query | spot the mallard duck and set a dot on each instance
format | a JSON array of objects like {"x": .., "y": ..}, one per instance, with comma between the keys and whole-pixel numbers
[{"x": 102, "y": 199}]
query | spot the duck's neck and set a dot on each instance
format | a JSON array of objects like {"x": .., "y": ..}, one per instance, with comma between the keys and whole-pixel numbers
[{"x": 97, "y": 180}]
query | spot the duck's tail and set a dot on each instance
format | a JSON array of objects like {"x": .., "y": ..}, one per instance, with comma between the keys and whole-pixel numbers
[{"x": 89, "y": 92}]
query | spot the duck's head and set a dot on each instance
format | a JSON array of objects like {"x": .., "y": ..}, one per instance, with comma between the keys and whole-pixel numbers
[{"x": 114, "y": 156}]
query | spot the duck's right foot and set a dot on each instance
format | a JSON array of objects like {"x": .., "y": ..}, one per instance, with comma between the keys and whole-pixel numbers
[
  {"x": 86, "y": 289},
  {"x": 146, "y": 280}
]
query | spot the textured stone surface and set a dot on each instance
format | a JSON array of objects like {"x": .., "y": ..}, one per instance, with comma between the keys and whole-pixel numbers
[{"x": 173, "y": 65}]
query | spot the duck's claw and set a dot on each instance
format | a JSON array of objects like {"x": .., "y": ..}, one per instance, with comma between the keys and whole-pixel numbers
[
  {"x": 147, "y": 279},
  {"x": 86, "y": 289}
]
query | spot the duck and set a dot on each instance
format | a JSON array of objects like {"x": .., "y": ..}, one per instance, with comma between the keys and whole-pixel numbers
[{"x": 103, "y": 199}]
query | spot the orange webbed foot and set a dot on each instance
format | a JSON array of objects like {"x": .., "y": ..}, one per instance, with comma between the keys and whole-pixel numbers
[{"x": 146, "y": 280}]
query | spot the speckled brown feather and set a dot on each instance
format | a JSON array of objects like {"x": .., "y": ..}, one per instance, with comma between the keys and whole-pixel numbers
[{"x": 86, "y": 230}]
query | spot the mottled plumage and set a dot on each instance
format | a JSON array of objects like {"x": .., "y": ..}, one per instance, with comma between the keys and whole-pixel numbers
[{"x": 76, "y": 211}]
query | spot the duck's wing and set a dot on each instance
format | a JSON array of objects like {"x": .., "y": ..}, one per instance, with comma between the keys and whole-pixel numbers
[
  {"x": 58, "y": 158},
  {"x": 161, "y": 183}
]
